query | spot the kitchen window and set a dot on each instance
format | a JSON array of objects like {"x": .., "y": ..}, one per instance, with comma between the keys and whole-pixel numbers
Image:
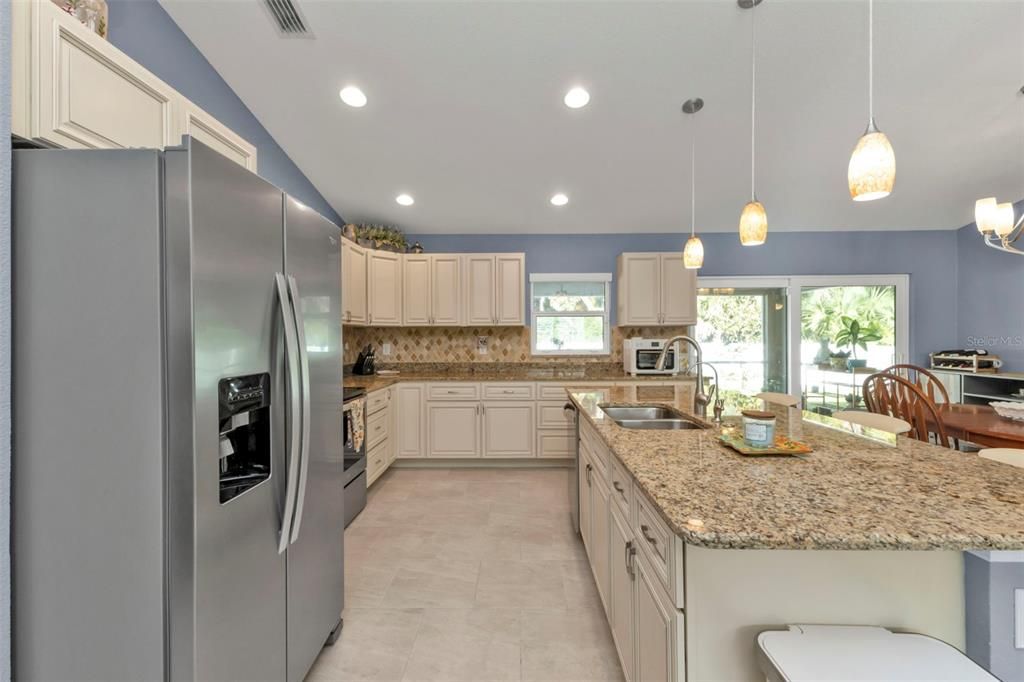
[{"x": 570, "y": 314}]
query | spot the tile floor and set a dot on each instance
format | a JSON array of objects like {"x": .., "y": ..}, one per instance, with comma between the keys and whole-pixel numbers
[{"x": 468, "y": 574}]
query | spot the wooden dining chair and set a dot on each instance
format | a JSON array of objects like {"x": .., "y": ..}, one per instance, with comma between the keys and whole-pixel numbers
[
  {"x": 783, "y": 399},
  {"x": 882, "y": 422},
  {"x": 1005, "y": 455},
  {"x": 929, "y": 384},
  {"x": 892, "y": 395}
]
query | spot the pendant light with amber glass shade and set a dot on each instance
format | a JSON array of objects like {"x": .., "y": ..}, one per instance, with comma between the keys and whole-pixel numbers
[
  {"x": 753, "y": 220},
  {"x": 693, "y": 253},
  {"x": 872, "y": 170}
]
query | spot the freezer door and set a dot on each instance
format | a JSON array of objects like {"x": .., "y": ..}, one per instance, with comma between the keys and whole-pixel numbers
[
  {"x": 238, "y": 346},
  {"x": 315, "y": 570}
]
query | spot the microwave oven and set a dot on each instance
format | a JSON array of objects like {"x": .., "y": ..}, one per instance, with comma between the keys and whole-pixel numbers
[{"x": 640, "y": 356}]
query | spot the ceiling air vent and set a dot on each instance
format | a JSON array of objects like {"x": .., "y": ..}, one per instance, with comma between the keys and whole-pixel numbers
[{"x": 288, "y": 18}]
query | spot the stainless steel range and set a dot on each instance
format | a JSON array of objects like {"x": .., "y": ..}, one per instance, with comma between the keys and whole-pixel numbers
[{"x": 354, "y": 440}]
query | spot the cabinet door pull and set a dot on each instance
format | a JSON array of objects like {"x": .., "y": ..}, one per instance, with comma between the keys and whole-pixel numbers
[
  {"x": 589, "y": 469},
  {"x": 647, "y": 536},
  {"x": 618, "y": 487},
  {"x": 630, "y": 553}
]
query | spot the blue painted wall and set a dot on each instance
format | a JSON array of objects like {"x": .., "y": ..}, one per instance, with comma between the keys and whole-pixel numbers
[
  {"x": 990, "y": 309},
  {"x": 929, "y": 257},
  {"x": 5, "y": 342},
  {"x": 146, "y": 33}
]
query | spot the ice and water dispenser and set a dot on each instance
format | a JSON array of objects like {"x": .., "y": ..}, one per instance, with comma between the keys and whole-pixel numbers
[{"x": 244, "y": 433}]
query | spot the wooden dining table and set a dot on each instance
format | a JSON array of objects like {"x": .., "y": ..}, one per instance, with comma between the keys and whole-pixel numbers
[{"x": 980, "y": 424}]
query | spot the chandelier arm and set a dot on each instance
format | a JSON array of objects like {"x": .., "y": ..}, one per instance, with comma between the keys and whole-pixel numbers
[{"x": 1003, "y": 245}]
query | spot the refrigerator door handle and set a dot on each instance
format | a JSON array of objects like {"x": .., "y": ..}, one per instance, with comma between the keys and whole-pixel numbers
[
  {"x": 288, "y": 321},
  {"x": 300, "y": 326}
]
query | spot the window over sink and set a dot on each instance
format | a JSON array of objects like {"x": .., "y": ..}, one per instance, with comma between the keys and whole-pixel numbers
[{"x": 569, "y": 314}]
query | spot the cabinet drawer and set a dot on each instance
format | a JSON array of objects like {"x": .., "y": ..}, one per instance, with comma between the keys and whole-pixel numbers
[
  {"x": 621, "y": 484},
  {"x": 377, "y": 401},
  {"x": 376, "y": 429},
  {"x": 660, "y": 545},
  {"x": 556, "y": 443},
  {"x": 376, "y": 459},
  {"x": 453, "y": 391},
  {"x": 508, "y": 391},
  {"x": 552, "y": 392},
  {"x": 551, "y": 415}
]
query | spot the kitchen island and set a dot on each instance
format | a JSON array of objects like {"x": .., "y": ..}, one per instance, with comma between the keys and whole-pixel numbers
[{"x": 696, "y": 548}]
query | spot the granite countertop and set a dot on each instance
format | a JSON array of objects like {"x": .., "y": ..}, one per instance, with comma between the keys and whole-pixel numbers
[
  {"x": 850, "y": 493},
  {"x": 496, "y": 371}
]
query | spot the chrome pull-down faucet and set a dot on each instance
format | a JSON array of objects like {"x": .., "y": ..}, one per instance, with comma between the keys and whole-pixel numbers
[{"x": 700, "y": 398}]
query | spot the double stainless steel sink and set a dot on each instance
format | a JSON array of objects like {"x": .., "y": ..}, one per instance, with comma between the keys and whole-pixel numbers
[{"x": 650, "y": 417}]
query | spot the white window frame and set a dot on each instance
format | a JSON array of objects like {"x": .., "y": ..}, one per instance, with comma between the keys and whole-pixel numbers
[
  {"x": 606, "y": 278},
  {"x": 794, "y": 286}
]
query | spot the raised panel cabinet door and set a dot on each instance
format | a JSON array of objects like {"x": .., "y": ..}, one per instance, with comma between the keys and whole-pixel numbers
[
  {"x": 509, "y": 429},
  {"x": 622, "y": 591},
  {"x": 510, "y": 292},
  {"x": 353, "y": 290},
  {"x": 586, "y": 475},
  {"x": 409, "y": 421},
  {"x": 416, "y": 290},
  {"x": 453, "y": 429},
  {"x": 678, "y": 291},
  {"x": 653, "y": 639},
  {"x": 384, "y": 289},
  {"x": 191, "y": 120},
  {"x": 74, "y": 89},
  {"x": 480, "y": 280},
  {"x": 600, "y": 536},
  {"x": 446, "y": 289},
  {"x": 640, "y": 289}
]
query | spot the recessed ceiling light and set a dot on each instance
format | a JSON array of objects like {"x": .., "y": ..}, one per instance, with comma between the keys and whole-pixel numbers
[
  {"x": 353, "y": 96},
  {"x": 405, "y": 200},
  {"x": 559, "y": 199},
  {"x": 576, "y": 98}
]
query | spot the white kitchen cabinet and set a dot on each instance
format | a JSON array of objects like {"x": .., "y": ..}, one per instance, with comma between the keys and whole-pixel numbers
[
  {"x": 600, "y": 536},
  {"x": 508, "y": 428},
  {"x": 71, "y": 88},
  {"x": 510, "y": 289},
  {"x": 192, "y": 120},
  {"x": 586, "y": 475},
  {"x": 446, "y": 290},
  {"x": 480, "y": 289},
  {"x": 416, "y": 290},
  {"x": 384, "y": 288},
  {"x": 380, "y": 433},
  {"x": 410, "y": 424},
  {"x": 453, "y": 428},
  {"x": 658, "y": 638},
  {"x": 622, "y": 590},
  {"x": 494, "y": 289},
  {"x": 654, "y": 289},
  {"x": 432, "y": 290},
  {"x": 353, "y": 283}
]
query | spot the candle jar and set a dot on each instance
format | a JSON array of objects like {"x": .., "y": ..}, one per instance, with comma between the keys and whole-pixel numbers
[{"x": 758, "y": 428}]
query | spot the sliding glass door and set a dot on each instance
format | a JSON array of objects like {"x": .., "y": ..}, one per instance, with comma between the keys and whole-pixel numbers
[
  {"x": 742, "y": 331},
  {"x": 815, "y": 336}
]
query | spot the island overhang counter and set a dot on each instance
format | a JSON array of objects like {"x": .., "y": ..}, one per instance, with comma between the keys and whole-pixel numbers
[{"x": 696, "y": 548}]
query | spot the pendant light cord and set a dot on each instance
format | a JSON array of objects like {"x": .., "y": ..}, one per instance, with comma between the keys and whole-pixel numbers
[
  {"x": 871, "y": 63},
  {"x": 693, "y": 178},
  {"x": 753, "y": 97}
]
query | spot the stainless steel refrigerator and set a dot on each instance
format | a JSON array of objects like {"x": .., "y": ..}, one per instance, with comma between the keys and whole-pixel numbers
[{"x": 178, "y": 508}]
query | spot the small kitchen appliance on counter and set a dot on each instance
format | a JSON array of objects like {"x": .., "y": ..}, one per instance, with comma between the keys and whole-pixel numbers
[
  {"x": 366, "y": 363},
  {"x": 640, "y": 356}
]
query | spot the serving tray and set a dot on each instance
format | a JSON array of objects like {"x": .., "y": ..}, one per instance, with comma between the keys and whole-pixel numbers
[{"x": 783, "y": 446}]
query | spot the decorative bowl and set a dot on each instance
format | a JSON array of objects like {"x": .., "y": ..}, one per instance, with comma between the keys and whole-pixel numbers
[{"x": 1013, "y": 411}]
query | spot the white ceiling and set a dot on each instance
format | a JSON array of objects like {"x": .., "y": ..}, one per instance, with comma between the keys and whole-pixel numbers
[{"x": 465, "y": 108}]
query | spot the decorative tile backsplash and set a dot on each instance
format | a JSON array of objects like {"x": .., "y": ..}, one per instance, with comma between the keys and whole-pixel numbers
[{"x": 459, "y": 344}]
